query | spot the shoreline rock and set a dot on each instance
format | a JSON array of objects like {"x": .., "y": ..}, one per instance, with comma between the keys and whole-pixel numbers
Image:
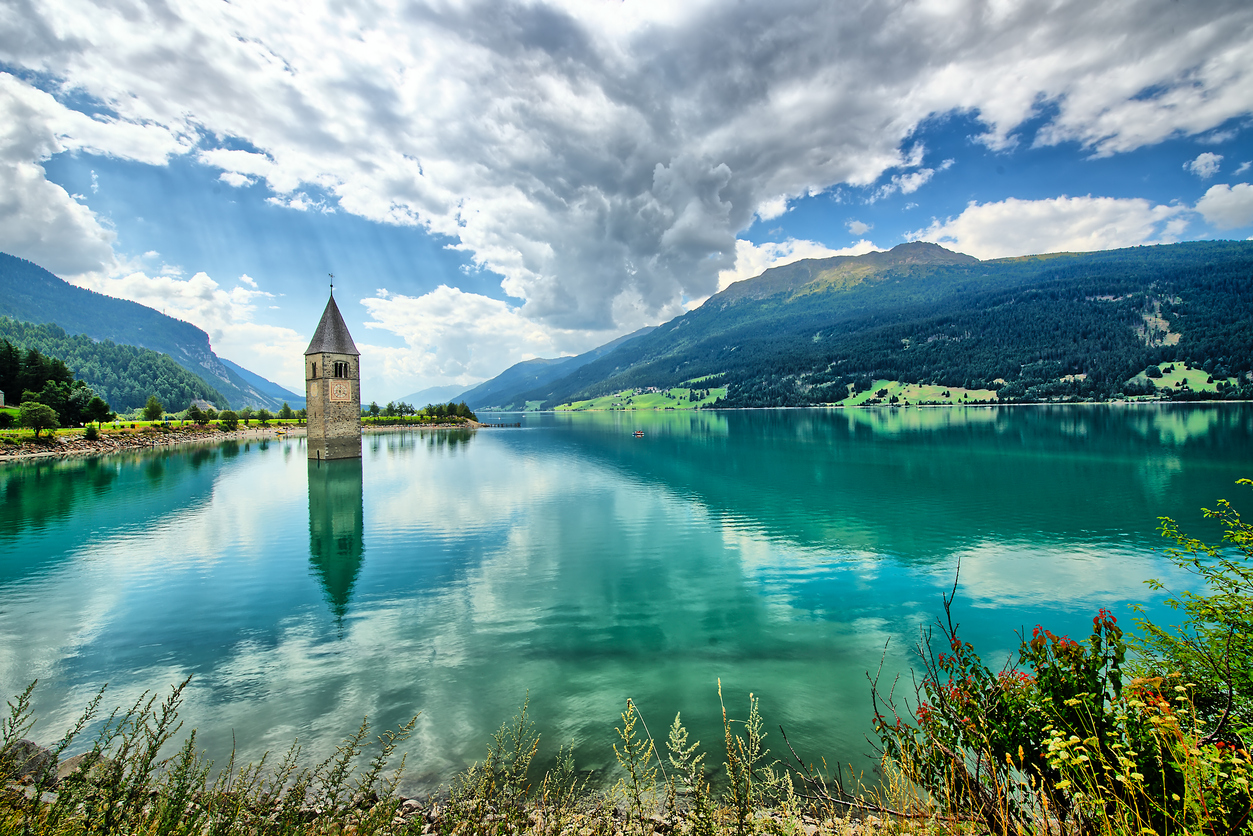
[{"x": 69, "y": 446}]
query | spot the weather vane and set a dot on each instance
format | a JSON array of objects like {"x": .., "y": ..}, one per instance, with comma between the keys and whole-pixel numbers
[{"x": 332, "y": 275}]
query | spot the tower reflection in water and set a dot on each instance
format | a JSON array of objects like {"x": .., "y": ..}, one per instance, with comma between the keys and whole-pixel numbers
[{"x": 336, "y": 542}]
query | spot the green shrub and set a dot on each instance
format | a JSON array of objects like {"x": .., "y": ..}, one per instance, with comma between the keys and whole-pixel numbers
[
  {"x": 1068, "y": 736},
  {"x": 91, "y": 433},
  {"x": 1213, "y": 647}
]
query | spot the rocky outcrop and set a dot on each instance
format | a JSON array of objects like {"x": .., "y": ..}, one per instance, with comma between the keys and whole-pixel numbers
[{"x": 24, "y": 760}]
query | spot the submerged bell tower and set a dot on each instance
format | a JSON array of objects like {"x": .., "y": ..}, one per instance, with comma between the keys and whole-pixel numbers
[{"x": 333, "y": 389}]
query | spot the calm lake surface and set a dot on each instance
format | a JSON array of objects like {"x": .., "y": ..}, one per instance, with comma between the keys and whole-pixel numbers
[{"x": 453, "y": 573}]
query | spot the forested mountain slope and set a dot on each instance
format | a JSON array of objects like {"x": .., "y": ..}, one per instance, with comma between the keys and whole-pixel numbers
[
  {"x": 508, "y": 387},
  {"x": 29, "y": 293},
  {"x": 123, "y": 375},
  {"x": 1067, "y": 324}
]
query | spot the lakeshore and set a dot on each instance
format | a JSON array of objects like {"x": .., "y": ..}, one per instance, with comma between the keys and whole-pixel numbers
[
  {"x": 73, "y": 443},
  {"x": 67, "y": 443}
]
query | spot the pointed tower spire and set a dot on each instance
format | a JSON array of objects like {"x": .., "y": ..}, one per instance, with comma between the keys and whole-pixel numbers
[{"x": 332, "y": 336}]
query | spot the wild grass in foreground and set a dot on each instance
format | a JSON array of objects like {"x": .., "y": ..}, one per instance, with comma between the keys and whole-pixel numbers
[
  {"x": 134, "y": 780},
  {"x": 1072, "y": 740}
]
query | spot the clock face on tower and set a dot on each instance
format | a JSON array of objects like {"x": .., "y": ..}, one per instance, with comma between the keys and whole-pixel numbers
[{"x": 340, "y": 391}]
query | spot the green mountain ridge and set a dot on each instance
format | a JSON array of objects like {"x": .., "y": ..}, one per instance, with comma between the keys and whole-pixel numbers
[
  {"x": 529, "y": 374},
  {"x": 1065, "y": 325},
  {"x": 29, "y": 293},
  {"x": 124, "y": 375}
]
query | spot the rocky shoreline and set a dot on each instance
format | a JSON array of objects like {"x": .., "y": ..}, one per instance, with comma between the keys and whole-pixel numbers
[{"x": 66, "y": 446}]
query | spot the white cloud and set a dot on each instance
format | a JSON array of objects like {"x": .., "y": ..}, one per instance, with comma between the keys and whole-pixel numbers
[
  {"x": 39, "y": 220},
  {"x": 773, "y": 208},
  {"x": 1063, "y": 224},
  {"x": 1205, "y": 165},
  {"x": 225, "y": 314},
  {"x": 754, "y": 259},
  {"x": 909, "y": 182},
  {"x": 1227, "y": 207},
  {"x": 1244, "y": 166},
  {"x": 1219, "y": 137},
  {"x": 603, "y": 157},
  {"x": 859, "y": 228},
  {"x": 301, "y": 202},
  {"x": 456, "y": 337},
  {"x": 234, "y": 178}
]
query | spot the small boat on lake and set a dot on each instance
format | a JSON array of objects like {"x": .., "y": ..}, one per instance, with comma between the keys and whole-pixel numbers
[{"x": 639, "y": 433}]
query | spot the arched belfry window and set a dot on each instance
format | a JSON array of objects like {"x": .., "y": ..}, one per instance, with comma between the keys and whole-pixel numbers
[{"x": 341, "y": 369}]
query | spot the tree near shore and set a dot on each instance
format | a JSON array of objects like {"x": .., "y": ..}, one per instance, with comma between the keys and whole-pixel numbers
[
  {"x": 38, "y": 417},
  {"x": 153, "y": 410},
  {"x": 228, "y": 420},
  {"x": 98, "y": 410}
]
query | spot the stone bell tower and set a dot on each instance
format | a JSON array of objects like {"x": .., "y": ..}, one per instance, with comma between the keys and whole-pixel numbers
[{"x": 333, "y": 389}]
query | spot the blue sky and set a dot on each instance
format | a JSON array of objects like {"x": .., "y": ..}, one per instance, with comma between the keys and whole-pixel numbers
[{"x": 491, "y": 182}]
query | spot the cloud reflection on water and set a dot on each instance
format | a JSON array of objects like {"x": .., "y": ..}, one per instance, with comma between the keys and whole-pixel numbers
[{"x": 778, "y": 551}]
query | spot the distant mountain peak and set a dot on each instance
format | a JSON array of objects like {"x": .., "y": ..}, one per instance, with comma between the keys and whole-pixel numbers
[
  {"x": 837, "y": 273},
  {"x": 925, "y": 252}
]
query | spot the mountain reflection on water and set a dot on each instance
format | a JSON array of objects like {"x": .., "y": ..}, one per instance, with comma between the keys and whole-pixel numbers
[{"x": 453, "y": 573}]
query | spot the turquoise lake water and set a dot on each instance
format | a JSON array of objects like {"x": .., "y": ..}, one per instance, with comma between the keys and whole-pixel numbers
[{"x": 453, "y": 573}]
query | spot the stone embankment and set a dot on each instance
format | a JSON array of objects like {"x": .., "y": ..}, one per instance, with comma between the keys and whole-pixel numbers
[
  {"x": 61, "y": 446},
  {"x": 112, "y": 441}
]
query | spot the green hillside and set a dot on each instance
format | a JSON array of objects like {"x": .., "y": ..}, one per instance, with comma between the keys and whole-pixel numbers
[
  {"x": 1064, "y": 326},
  {"x": 123, "y": 375},
  {"x": 29, "y": 293},
  {"x": 502, "y": 390}
]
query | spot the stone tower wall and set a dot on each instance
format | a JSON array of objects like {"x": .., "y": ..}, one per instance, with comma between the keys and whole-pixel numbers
[{"x": 334, "y": 422}]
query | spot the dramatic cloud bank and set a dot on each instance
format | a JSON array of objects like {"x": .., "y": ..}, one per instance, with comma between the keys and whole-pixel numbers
[{"x": 601, "y": 157}]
